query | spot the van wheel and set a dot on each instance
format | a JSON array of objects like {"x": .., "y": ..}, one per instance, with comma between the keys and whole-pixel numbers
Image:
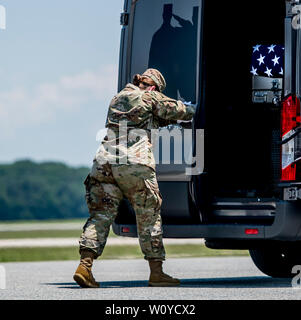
[{"x": 277, "y": 260}]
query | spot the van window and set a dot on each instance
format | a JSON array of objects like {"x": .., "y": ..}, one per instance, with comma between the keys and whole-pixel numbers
[{"x": 165, "y": 37}]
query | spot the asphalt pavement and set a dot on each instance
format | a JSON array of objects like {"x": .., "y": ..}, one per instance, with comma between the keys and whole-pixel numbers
[{"x": 214, "y": 278}]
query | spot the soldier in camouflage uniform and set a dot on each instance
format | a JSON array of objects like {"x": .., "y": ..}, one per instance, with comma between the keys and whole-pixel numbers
[{"x": 124, "y": 166}]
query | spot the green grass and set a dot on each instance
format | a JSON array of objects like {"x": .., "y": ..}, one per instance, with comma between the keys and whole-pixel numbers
[
  {"x": 40, "y": 234},
  {"x": 60, "y": 221},
  {"x": 44, "y": 234},
  {"x": 110, "y": 252}
]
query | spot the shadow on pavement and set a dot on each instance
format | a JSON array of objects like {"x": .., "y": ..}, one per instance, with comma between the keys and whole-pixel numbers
[{"x": 241, "y": 282}]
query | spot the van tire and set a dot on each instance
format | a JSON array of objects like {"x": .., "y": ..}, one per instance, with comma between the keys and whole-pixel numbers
[{"x": 277, "y": 260}]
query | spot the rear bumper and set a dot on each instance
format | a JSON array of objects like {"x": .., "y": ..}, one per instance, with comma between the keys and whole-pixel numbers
[{"x": 286, "y": 227}]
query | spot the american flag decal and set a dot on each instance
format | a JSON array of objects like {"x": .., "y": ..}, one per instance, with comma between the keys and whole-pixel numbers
[{"x": 268, "y": 60}]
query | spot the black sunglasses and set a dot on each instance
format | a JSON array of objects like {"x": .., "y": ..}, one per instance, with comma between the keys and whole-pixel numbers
[{"x": 145, "y": 84}]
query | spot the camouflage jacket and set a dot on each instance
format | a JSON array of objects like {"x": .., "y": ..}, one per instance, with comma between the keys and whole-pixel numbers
[{"x": 132, "y": 114}]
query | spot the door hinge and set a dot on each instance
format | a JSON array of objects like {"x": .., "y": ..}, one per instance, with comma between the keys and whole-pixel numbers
[{"x": 124, "y": 18}]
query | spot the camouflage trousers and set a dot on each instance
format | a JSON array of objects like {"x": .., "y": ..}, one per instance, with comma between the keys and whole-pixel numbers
[{"x": 106, "y": 186}]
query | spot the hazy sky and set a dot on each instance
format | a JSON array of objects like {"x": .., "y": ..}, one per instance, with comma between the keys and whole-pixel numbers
[{"x": 58, "y": 72}]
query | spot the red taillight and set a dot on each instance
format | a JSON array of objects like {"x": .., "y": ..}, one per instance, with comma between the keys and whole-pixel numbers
[
  {"x": 125, "y": 229},
  {"x": 290, "y": 114},
  {"x": 251, "y": 231},
  {"x": 289, "y": 173},
  {"x": 290, "y": 120}
]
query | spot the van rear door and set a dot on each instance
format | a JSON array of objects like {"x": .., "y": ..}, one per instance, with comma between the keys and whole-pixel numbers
[
  {"x": 290, "y": 107},
  {"x": 166, "y": 35}
]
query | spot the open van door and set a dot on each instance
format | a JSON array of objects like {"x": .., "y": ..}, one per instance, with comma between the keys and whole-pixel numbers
[{"x": 166, "y": 35}]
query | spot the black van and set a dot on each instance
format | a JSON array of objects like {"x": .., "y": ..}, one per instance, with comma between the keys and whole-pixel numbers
[{"x": 245, "y": 192}]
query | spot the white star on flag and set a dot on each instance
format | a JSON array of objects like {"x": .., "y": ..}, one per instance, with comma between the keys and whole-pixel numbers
[
  {"x": 256, "y": 48},
  {"x": 281, "y": 72},
  {"x": 275, "y": 60},
  {"x": 261, "y": 59},
  {"x": 254, "y": 71},
  {"x": 271, "y": 48},
  {"x": 268, "y": 72}
]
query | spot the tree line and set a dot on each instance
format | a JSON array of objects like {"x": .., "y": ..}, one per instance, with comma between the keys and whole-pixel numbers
[{"x": 48, "y": 190}]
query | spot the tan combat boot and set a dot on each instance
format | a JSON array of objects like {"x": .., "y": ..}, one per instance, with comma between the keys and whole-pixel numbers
[
  {"x": 158, "y": 278},
  {"x": 83, "y": 274}
]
